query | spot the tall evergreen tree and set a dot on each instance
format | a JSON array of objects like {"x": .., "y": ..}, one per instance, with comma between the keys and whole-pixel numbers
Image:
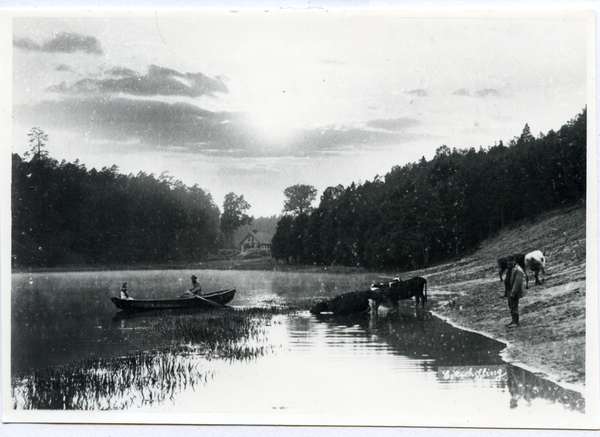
[{"x": 37, "y": 139}]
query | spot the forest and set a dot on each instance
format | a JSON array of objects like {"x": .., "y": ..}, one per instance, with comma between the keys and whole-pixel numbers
[
  {"x": 417, "y": 214},
  {"x": 429, "y": 211},
  {"x": 66, "y": 214}
]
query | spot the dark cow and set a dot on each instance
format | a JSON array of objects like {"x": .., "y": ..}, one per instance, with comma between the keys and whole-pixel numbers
[
  {"x": 397, "y": 290},
  {"x": 507, "y": 278},
  {"x": 347, "y": 303},
  {"x": 536, "y": 262},
  {"x": 503, "y": 262}
]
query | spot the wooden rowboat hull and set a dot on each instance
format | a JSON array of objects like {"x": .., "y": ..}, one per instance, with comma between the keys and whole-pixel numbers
[{"x": 220, "y": 297}]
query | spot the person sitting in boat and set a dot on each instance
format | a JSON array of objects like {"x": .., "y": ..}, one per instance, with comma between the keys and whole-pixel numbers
[
  {"x": 196, "y": 288},
  {"x": 124, "y": 294}
]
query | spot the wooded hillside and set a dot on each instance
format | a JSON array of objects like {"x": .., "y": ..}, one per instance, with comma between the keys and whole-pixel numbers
[
  {"x": 66, "y": 214},
  {"x": 430, "y": 211},
  {"x": 418, "y": 214}
]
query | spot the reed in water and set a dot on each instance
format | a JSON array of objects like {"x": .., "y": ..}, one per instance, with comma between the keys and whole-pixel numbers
[{"x": 182, "y": 344}]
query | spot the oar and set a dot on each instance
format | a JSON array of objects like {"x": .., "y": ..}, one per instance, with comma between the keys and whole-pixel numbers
[
  {"x": 218, "y": 305},
  {"x": 210, "y": 302}
]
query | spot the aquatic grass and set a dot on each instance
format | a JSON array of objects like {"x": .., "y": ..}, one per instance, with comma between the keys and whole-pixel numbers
[
  {"x": 208, "y": 330},
  {"x": 109, "y": 384},
  {"x": 290, "y": 305},
  {"x": 148, "y": 377}
]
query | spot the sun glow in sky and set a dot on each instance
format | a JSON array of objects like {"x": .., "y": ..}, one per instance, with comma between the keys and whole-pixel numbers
[
  {"x": 274, "y": 117},
  {"x": 255, "y": 102}
]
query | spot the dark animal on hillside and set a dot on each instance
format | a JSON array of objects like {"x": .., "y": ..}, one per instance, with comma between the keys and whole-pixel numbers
[
  {"x": 348, "y": 303},
  {"x": 507, "y": 280},
  {"x": 397, "y": 290},
  {"x": 503, "y": 262},
  {"x": 536, "y": 262}
]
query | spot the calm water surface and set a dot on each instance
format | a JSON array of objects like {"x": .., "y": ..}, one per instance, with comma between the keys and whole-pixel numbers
[{"x": 385, "y": 370}]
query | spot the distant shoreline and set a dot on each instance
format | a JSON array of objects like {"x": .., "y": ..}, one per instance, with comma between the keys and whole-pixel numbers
[{"x": 260, "y": 264}]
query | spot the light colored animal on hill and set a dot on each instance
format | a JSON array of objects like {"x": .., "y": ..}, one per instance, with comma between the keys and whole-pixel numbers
[{"x": 536, "y": 262}]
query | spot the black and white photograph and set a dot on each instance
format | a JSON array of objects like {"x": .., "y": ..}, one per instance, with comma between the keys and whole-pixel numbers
[{"x": 300, "y": 217}]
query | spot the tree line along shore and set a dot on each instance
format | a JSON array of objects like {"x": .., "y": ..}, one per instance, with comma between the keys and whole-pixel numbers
[{"x": 417, "y": 215}]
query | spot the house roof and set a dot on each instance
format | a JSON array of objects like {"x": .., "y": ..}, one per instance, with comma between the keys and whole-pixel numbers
[{"x": 261, "y": 237}]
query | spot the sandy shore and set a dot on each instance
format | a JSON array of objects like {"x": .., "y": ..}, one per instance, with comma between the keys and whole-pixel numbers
[{"x": 551, "y": 338}]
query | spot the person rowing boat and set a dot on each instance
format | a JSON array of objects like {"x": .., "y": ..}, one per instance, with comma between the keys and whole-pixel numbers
[
  {"x": 196, "y": 287},
  {"x": 196, "y": 291}
]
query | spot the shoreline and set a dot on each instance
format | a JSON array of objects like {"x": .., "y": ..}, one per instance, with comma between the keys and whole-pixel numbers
[
  {"x": 464, "y": 315},
  {"x": 504, "y": 354},
  {"x": 551, "y": 339},
  {"x": 262, "y": 264}
]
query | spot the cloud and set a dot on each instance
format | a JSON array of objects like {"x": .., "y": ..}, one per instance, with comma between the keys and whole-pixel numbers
[
  {"x": 417, "y": 92},
  {"x": 394, "y": 124},
  {"x": 26, "y": 44},
  {"x": 153, "y": 124},
  {"x": 64, "y": 67},
  {"x": 461, "y": 92},
  {"x": 488, "y": 92},
  {"x": 332, "y": 138},
  {"x": 121, "y": 71},
  {"x": 157, "y": 81},
  {"x": 184, "y": 128},
  {"x": 62, "y": 42}
]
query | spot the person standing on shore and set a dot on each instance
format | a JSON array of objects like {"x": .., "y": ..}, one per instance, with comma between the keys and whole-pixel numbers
[{"x": 514, "y": 290}]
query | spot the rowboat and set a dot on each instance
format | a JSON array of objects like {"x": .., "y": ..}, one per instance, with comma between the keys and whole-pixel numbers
[{"x": 209, "y": 300}]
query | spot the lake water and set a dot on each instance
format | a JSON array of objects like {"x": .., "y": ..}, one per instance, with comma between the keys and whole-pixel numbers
[{"x": 404, "y": 368}]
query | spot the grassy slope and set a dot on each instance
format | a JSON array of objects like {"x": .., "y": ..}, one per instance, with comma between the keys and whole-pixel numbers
[{"x": 551, "y": 337}]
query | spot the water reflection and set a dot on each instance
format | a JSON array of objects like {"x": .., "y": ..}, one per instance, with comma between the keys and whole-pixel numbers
[
  {"x": 436, "y": 344},
  {"x": 65, "y": 331},
  {"x": 422, "y": 335},
  {"x": 525, "y": 388}
]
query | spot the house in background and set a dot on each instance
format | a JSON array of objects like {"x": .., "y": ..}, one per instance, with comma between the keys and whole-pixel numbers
[{"x": 256, "y": 240}]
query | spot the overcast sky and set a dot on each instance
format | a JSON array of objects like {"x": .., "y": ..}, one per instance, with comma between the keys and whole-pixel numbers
[{"x": 254, "y": 102}]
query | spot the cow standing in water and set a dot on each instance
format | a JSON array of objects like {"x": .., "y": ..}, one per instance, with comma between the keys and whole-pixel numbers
[
  {"x": 397, "y": 290},
  {"x": 348, "y": 303}
]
